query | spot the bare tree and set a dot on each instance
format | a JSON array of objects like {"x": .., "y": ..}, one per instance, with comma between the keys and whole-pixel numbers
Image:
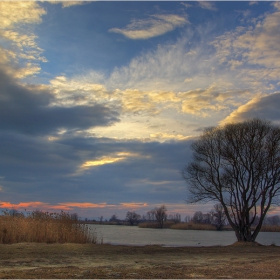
[
  {"x": 132, "y": 217},
  {"x": 187, "y": 219},
  {"x": 197, "y": 217},
  {"x": 218, "y": 216},
  {"x": 74, "y": 216},
  {"x": 160, "y": 215},
  {"x": 200, "y": 218},
  {"x": 237, "y": 165},
  {"x": 100, "y": 219},
  {"x": 151, "y": 215},
  {"x": 273, "y": 220},
  {"x": 176, "y": 218},
  {"x": 114, "y": 218}
]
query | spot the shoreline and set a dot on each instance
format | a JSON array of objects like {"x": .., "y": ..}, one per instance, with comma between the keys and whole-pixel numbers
[{"x": 181, "y": 226}]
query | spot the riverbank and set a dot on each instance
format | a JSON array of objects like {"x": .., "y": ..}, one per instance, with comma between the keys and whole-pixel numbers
[{"x": 92, "y": 261}]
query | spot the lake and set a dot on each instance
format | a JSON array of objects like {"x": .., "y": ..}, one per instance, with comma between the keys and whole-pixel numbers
[{"x": 132, "y": 235}]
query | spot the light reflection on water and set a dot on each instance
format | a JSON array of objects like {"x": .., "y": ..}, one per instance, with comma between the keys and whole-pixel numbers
[{"x": 132, "y": 235}]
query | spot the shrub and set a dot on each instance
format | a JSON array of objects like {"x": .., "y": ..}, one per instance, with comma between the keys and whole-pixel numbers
[{"x": 193, "y": 226}]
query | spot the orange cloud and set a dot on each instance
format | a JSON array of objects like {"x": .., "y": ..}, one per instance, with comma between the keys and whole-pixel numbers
[
  {"x": 33, "y": 205},
  {"x": 67, "y": 206},
  {"x": 133, "y": 205},
  {"x": 85, "y": 205}
]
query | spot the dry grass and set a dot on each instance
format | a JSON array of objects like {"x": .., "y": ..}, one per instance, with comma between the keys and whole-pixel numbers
[
  {"x": 193, "y": 226},
  {"x": 166, "y": 224},
  {"x": 270, "y": 228},
  {"x": 44, "y": 227},
  {"x": 90, "y": 261}
]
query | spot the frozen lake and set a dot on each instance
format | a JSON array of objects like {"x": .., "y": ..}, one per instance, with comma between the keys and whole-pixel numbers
[{"x": 132, "y": 235}]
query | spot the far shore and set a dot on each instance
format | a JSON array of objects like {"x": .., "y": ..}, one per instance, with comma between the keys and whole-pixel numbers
[{"x": 180, "y": 226}]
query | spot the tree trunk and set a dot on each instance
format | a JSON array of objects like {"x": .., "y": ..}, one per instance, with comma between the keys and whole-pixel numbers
[{"x": 244, "y": 234}]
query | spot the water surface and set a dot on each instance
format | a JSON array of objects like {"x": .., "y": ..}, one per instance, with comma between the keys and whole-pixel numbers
[{"x": 132, "y": 235}]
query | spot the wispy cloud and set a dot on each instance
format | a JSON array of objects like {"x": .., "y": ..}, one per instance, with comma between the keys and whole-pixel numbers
[
  {"x": 207, "y": 5},
  {"x": 253, "y": 50},
  {"x": 154, "y": 26},
  {"x": 21, "y": 54},
  {"x": 67, "y": 4}
]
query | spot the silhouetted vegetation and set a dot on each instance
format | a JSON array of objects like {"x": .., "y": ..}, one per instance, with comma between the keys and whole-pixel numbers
[{"x": 132, "y": 217}]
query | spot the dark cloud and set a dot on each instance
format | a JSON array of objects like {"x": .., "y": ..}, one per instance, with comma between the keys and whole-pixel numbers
[
  {"x": 28, "y": 111},
  {"x": 264, "y": 108},
  {"x": 34, "y": 169}
]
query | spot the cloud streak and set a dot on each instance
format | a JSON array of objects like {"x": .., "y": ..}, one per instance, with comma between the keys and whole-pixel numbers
[
  {"x": 154, "y": 26},
  {"x": 207, "y": 5}
]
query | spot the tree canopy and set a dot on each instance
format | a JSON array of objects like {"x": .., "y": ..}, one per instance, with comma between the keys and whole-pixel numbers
[{"x": 237, "y": 165}]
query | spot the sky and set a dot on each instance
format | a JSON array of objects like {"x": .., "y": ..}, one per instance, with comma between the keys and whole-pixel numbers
[{"x": 100, "y": 101}]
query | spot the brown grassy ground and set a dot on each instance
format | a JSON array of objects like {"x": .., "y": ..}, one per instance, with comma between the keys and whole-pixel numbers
[{"x": 88, "y": 261}]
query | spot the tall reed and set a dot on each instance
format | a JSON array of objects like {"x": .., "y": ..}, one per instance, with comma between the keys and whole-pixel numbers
[{"x": 44, "y": 227}]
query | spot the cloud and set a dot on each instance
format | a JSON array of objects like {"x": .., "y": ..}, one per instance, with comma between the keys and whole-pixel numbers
[
  {"x": 78, "y": 90},
  {"x": 33, "y": 166},
  {"x": 43, "y": 206},
  {"x": 166, "y": 136},
  {"x": 253, "y": 49},
  {"x": 82, "y": 91},
  {"x": 67, "y": 4},
  {"x": 264, "y": 107},
  {"x": 15, "y": 12},
  {"x": 120, "y": 156},
  {"x": 186, "y": 5},
  {"x": 167, "y": 67},
  {"x": 156, "y": 25},
  {"x": 20, "y": 53},
  {"x": 206, "y": 101},
  {"x": 106, "y": 210},
  {"x": 28, "y": 110},
  {"x": 207, "y": 5}
]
